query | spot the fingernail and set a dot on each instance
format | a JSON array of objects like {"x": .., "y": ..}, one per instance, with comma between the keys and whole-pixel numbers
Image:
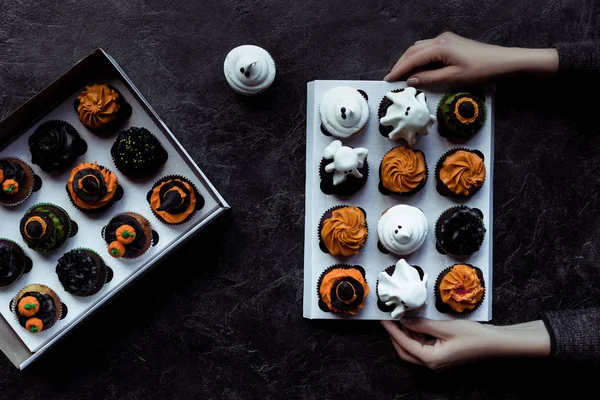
[
  {"x": 386, "y": 77},
  {"x": 412, "y": 81}
]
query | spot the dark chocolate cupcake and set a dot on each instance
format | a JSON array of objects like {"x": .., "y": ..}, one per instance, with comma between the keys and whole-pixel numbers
[
  {"x": 17, "y": 181},
  {"x": 460, "y": 231},
  {"x": 128, "y": 235},
  {"x": 343, "y": 170},
  {"x": 174, "y": 200},
  {"x": 401, "y": 287},
  {"x": 13, "y": 262},
  {"x": 101, "y": 108},
  {"x": 403, "y": 171},
  {"x": 137, "y": 153},
  {"x": 343, "y": 230},
  {"x": 459, "y": 289},
  {"x": 46, "y": 227},
  {"x": 342, "y": 288},
  {"x": 37, "y": 308},
  {"x": 460, "y": 173},
  {"x": 82, "y": 272},
  {"x": 55, "y": 145},
  {"x": 92, "y": 188},
  {"x": 460, "y": 116}
]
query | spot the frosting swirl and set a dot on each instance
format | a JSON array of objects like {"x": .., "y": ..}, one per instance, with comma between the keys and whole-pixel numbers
[
  {"x": 344, "y": 111},
  {"x": 403, "y": 169},
  {"x": 13, "y": 178},
  {"x": 402, "y": 229},
  {"x": 249, "y": 69},
  {"x": 81, "y": 272},
  {"x": 462, "y": 171},
  {"x": 460, "y": 288},
  {"x": 343, "y": 290},
  {"x": 91, "y": 186},
  {"x": 98, "y": 105},
  {"x": 138, "y": 153},
  {"x": 54, "y": 145},
  {"x": 12, "y": 262},
  {"x": 173, "y": 200},
  {"x": 345, "y": 232},
  {"x": 461, "y": 230}
]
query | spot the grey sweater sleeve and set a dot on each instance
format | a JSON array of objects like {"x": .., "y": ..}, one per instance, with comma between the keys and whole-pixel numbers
[
  {"x": 579, "y": 58},
  {"x": 574, "y": 335}
]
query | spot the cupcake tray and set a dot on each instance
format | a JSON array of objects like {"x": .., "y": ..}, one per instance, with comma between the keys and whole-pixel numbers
[
  {"x": 374, "y": 203},
  {"x": 56, "y": 102}
]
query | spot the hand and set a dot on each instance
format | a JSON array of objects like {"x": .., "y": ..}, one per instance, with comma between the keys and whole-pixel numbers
[
  {"x": 457, "y": 342},
  {"x": 467, "y": 61}
]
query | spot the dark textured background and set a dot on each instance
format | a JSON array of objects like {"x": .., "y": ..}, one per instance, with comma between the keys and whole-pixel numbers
[{"x": 231, "y": 326}]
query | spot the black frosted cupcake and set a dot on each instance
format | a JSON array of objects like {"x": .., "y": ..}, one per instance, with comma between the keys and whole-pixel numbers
[
  {"x": 137, "y": 153},
  {"x": 174, "y": 200},
  {"x": 128, "y": 235},
  {"x": 460, "y": 231},
  {"x": 92, "y": 188},
  {"x": 343, "y": 289},
  {"x": 403, "y": 171},
  {"x": 343, "y": 170},
  {"x": 55, "y": 145},
  {"x": 46, "y": 227},
  {"x": 460, "y": 173},
  {"x": 460, "y": 116},
  {"x": 13, "y": 262},
  {"x": 17, "y": 181},
  {"x": 82, "y": 272},
  {"x": 37, "y": 308},
  {"x": 459, "y": 289},
  {"x": 101, "y": 108}
]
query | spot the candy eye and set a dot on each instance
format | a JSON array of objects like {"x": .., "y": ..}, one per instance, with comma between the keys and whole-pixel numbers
[{"x": 242, "y": 70}]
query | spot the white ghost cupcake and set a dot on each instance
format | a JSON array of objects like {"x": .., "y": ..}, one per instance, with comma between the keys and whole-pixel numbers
[
  {"x": 249, "y": 69},
  {"x": 401, "y": 229},
  {"x": 401, "y": 288},
  {"x": 344, "y": 112},
  {"x": 343, "y": 170}
]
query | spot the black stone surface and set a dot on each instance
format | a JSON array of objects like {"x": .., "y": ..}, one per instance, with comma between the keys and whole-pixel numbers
[{"x": 231, "y": 326}]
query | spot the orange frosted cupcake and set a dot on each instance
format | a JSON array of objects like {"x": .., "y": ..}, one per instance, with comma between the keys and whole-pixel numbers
[
  {"x": 93, "y": 188},
  {"x": 342, "y": 288},
  {"x": 402, "y": 172},
  {"x": 101, "y": 108},
  {"x": 343, "y": 230},
  {"x": 459, "y": 289},
  {"x": 460, "y": 173},
  {"x": 174, "y": 200}
]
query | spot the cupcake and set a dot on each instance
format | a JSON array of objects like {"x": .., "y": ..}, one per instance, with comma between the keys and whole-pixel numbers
[
  {"x": 37, "y": 308},
  {"x": 343, "y": 170},
  {"x": 17, "y": 181},
  {"x": 401, "y": 288},
  {"x": 403, "y": 171},
  {"x": 46, "y": 227},
  {"x": 101, "y": 108},
  {"x": 128, "y": 235},
  {"x": 55, "y": 145},
  {"x": 13, "y": 262},
  {"x": 460, "y": 116},
  {"x": 460, "y": 231},
  {"x": 137, "y": 153},
  {"x": 401, "y": 229},
  {"x": 81, "y": 272},
  {"x": 460, "y": 173},
  {"x": 249, "y": 69},
  {"x": 342, "y": 289},
  {"x": 174, "y": 200},
  {"x": 459, "y": 289},
  {"x": 403, "y": 114},
  {"x": 344, "y": 112},
  {"x": 343, "y": 230},
  {"x": 92, "y": 188}
]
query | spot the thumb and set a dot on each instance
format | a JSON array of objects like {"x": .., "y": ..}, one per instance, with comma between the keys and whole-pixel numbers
[
  {"x": 442, "y": 75},
  {"x": 427, "y": 326}
]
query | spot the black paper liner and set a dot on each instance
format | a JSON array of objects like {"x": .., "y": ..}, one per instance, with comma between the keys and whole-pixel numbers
[
  {"x": 386, "y": 192},
  {"x": 71, "y": 225},
  {"x": 123, "y": 114},
  {"x": 325, "y": 132},
  {"x": 107, "y": 277},
  {"x": 359, "y": 268},
  {"x": 33, "y": 180},
  {"x": 347, "y": 188},
  {"x": 384, "y": 104},
  {"x": 441, "y": 188},
  {"x": 28, "y": 262},
  {"x": 43, "y": 289},
  {"x": 390, "y": 270},
  {"x": 119, "y": 192},
  {"x": 445, "y": 308},
  {"x": 446, "y": 131},
  {"x": 200, "y": 201},
  {"x": 443, "y": 218},
  {"x": 327, "y": 214},
  {"x": 79, "y": 144}
]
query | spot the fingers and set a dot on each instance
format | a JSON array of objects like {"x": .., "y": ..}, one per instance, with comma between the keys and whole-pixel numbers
[
  {"x": 439, "y": 329},
  {"x": 423, "y": 56},
  {"x": 442, "y": 75},
  {"x": 411, "y": 346},
  {"x": 418, "y": 45},
  {"x": 404, "y": 355}
]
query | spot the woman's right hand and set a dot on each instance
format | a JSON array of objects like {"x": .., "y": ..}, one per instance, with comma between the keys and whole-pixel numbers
[{"x": 465, "y": 61}]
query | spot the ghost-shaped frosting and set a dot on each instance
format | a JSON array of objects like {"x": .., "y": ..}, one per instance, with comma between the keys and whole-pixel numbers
[
  {"x": 344, "y": 111},
  {"x": 249, "y": 69},
  {"x": 402, "y": 229},
  {"x": 404, "y": 289},
  {"x": 408, "y": 115},
  {"x": 346, "y": 161}
]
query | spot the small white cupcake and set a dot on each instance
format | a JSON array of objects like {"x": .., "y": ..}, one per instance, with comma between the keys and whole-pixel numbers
[
  {"x": 344, "y": 112},
  {"x": 402, "y": 229},
  {"x": 249, "y": 69}
]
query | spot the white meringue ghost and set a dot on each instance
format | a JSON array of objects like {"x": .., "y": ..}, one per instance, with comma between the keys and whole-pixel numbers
[
  {"x": 408, "y": 115},
  {"x": 404, "y": 289},
  {"x": 346, "y": 161}
]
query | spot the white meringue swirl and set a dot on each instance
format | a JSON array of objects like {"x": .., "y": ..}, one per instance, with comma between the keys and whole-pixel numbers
[
  {"x": 249, "y": 69},
  {"x": 344, "y": 111},
  {"x": 402, "y": 229}
]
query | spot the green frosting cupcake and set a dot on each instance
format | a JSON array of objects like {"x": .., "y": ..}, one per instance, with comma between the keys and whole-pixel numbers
[
  {"x": 460, "y": 115},
  {"x": 45, "y": 227}
]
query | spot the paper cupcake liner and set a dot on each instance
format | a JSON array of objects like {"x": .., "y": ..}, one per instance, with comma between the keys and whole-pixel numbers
[
  {"x": 130, "y": 259},
  {"x": 446, "y": 131},
  {"x": 196, "y": 192},
  {"x": 442, "y": 218},
  {"x": 387, "y": 192},
  {"x": 28, "y": 262},
  {"x": 43, "y": 289},
  {"x": 322, "y": 220},
  {"x": 441, "y": 188},
  {"x": 322, "y": 305},
  {"x": 105, "y": 270},
  {"x": 353, "y": 184},
  {"x": 82, "y": 144},
  {"x": 70, "y": 223},
  {"x": 125, "y": 111},
  {"x": 29, "y": 191},
  {"x": 446, "y": 309},
  {"x": 100, "y": 210}
]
